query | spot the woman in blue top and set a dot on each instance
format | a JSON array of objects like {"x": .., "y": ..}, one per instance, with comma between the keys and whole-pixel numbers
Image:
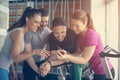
[{"x": 12, "y": 50}]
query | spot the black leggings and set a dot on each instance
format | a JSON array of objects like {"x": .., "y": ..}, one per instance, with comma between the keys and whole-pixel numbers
[
  {"x": 30, "y": 74},
  {"x": 102, "y": 76}
]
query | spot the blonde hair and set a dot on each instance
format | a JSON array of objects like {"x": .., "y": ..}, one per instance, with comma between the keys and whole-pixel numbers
[{"x": 83, "y": 17}]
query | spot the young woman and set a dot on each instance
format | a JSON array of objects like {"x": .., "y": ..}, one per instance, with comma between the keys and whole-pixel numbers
[
  {"x": 89, "y": 44},
  {"x": 61, "y": 38},
  {"x": 12, "y": 50}
]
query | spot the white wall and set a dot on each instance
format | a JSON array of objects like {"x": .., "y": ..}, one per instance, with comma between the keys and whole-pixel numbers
[
  {"x": 105, "y": 19},
  {"x": 4, "y": 20},
  {"x": 119, "y": 35}
]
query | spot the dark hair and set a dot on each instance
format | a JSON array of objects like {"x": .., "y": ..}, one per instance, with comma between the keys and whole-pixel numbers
[
  {"x": 58, "y": 22},
  {"x": 43, "y": 12},
  {"x": 28, "y": 12}
]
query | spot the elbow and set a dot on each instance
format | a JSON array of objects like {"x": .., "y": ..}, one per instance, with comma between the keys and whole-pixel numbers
[
  {"x": 84, "y": 62},
  {"x": 16, "y": 59}
]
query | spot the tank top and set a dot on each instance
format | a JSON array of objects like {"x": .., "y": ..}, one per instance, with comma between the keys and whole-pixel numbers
[{"x": 5, "y": 53}]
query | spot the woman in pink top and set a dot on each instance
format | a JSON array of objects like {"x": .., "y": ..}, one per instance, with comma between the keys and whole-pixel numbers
[{"x": 90, "y": 45}]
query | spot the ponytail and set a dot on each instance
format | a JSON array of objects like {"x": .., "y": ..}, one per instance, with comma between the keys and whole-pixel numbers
[
  {"x": 90, "y": 22},
  {"x": 28, "y": 12}
]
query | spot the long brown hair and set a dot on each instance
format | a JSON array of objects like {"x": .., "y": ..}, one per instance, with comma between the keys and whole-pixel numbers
[
  {"x": 83, "y": 17},
  {"x": 28, "y": 12}
]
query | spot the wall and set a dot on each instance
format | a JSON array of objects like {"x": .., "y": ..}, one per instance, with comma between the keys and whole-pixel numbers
[
  {"x": 4, "y": 20},
  {"x": 119, "y": 36},
  {"x": 86, "y": 5},
  {"x": 105, "y": 17}
]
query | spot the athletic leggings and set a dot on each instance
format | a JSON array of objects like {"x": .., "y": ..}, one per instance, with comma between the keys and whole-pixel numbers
[{"x": 4, "y": 74}]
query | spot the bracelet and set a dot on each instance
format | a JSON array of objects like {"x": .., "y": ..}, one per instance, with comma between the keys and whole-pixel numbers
[{"x": 49, "y": 63}]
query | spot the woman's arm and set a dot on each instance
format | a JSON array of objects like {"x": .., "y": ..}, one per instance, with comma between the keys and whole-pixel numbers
[
  {"x": 77, "y": 58},
  {"x": 17, "y": 42},
  {"x": 57, "y": 62},
  {"x": 53, "y": 59},
  {"x": 45, "y": 68},
  {"x": 30, "y": 60},
  {"x": 32, "y": 64},
  {"x": 17, "y": 37},
  {"x": 54, "y": 62}
]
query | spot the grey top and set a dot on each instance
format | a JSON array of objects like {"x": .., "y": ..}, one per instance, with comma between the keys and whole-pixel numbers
[
  {"x": 5, "y": 53},
  {"x": 37, "y": 40}
]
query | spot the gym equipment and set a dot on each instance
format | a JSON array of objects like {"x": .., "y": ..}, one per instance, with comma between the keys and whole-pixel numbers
[{"x": 107, "y": 53}]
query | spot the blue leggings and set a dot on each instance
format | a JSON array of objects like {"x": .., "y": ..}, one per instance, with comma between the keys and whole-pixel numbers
[{"x": 4, "y": 74}]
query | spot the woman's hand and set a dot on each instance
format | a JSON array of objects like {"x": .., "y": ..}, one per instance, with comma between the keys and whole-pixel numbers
[
  {"x": 43, "y": 53},
  {"x": 44, "y": 68},
  {"x": 53, "y": 55},
  {"x": 62, "y": 54}
]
